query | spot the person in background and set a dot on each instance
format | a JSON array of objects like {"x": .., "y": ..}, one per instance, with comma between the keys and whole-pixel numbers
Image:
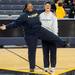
[
  {"x": 57, "y": 2},
  {"x": 68, "y": 3},
  {"x": 60, "y": 11},
  {"x": 49, "y": 21},
  {"x": 53, "y": 8},
  {"x": 72, "y": 11}
]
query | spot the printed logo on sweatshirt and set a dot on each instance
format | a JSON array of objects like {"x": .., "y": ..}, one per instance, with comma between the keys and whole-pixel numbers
[{"x": 34, "y": 15}]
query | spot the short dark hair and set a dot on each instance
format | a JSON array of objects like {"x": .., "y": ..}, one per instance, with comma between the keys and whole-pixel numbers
[
  {"x": 60, "y": 4},
  {"x": 47, "y": 3}
]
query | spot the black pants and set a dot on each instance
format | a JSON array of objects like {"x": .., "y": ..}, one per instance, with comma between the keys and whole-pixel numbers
[
  {"x": 31, "y": 40},
  {"x": 49, "y": 48}
]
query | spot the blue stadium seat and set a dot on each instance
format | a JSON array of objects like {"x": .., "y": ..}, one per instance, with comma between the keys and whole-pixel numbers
[
  {"x": 11, "y": 7},
  {"x": 10, "y": 12}
]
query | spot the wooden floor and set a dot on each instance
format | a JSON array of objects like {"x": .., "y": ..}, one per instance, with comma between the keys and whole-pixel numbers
[{"x": 65, "y": 59}]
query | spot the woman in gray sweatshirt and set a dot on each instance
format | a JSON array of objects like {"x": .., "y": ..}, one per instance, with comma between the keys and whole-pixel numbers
[{"x": 49, "y": 21}]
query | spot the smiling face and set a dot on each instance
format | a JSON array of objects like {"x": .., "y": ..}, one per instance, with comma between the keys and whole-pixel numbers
[
  {"x": 29, "y": 7},
  {"x": 47, "y": 7}
]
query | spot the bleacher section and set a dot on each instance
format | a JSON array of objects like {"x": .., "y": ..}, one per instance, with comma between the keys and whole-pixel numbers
[
  {"x": 15, "y": 7},
  {"x": 6, "y": 6}
]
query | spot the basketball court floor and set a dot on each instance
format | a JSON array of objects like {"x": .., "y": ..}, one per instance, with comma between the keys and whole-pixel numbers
[{"x": 10, "y": 61}]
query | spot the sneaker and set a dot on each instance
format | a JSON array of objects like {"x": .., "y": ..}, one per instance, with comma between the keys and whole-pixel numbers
[
  {"x": 52, "y": 70},
  {"x": 46, "y": 69},
  {"x": 67, "y": 45}
]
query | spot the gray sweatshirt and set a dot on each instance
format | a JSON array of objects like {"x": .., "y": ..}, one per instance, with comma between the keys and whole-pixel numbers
[{"x": 49, "y": 21}]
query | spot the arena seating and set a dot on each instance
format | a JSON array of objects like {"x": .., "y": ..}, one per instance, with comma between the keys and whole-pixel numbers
[{"x": 6, "y": 6}]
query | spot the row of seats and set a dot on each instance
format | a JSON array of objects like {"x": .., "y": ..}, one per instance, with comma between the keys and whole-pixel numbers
[
  {"x": 17, "y": 7},
  {"x": 10, "y": 12},
  {"x": 14, "y": 12},
  {"x": 22, "y": 1},
  {"x": 7, "y": 6}
]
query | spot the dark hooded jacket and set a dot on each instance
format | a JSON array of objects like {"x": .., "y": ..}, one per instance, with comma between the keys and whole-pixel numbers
[{"x": 29, "y": 21}]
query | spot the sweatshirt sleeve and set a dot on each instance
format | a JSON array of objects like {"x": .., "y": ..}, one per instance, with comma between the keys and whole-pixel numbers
[
  {"x": 18, "y": 22},
  {"x": 40, "y": 17},
  {"x": 55, "y": 25}
]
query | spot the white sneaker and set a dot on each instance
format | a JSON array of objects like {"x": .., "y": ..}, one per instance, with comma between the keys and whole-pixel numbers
[
  {"x": 52, "y": 70},
  {"x": 46, "y": 69}
]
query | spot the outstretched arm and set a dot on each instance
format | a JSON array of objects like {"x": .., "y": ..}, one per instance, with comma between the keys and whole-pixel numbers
[{"x": 14, "y": 24}]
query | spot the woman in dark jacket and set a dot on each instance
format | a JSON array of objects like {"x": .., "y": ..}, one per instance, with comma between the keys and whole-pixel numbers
[{"x": 29, "y": 20}]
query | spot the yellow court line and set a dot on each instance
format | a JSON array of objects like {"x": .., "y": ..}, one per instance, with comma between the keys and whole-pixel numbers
[
  {"x": 43, "y": 73},
  {"x": 68, "y": 70}
]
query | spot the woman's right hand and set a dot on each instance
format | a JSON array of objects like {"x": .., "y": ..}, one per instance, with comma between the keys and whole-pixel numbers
[{"x": 3, "y": 27}]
